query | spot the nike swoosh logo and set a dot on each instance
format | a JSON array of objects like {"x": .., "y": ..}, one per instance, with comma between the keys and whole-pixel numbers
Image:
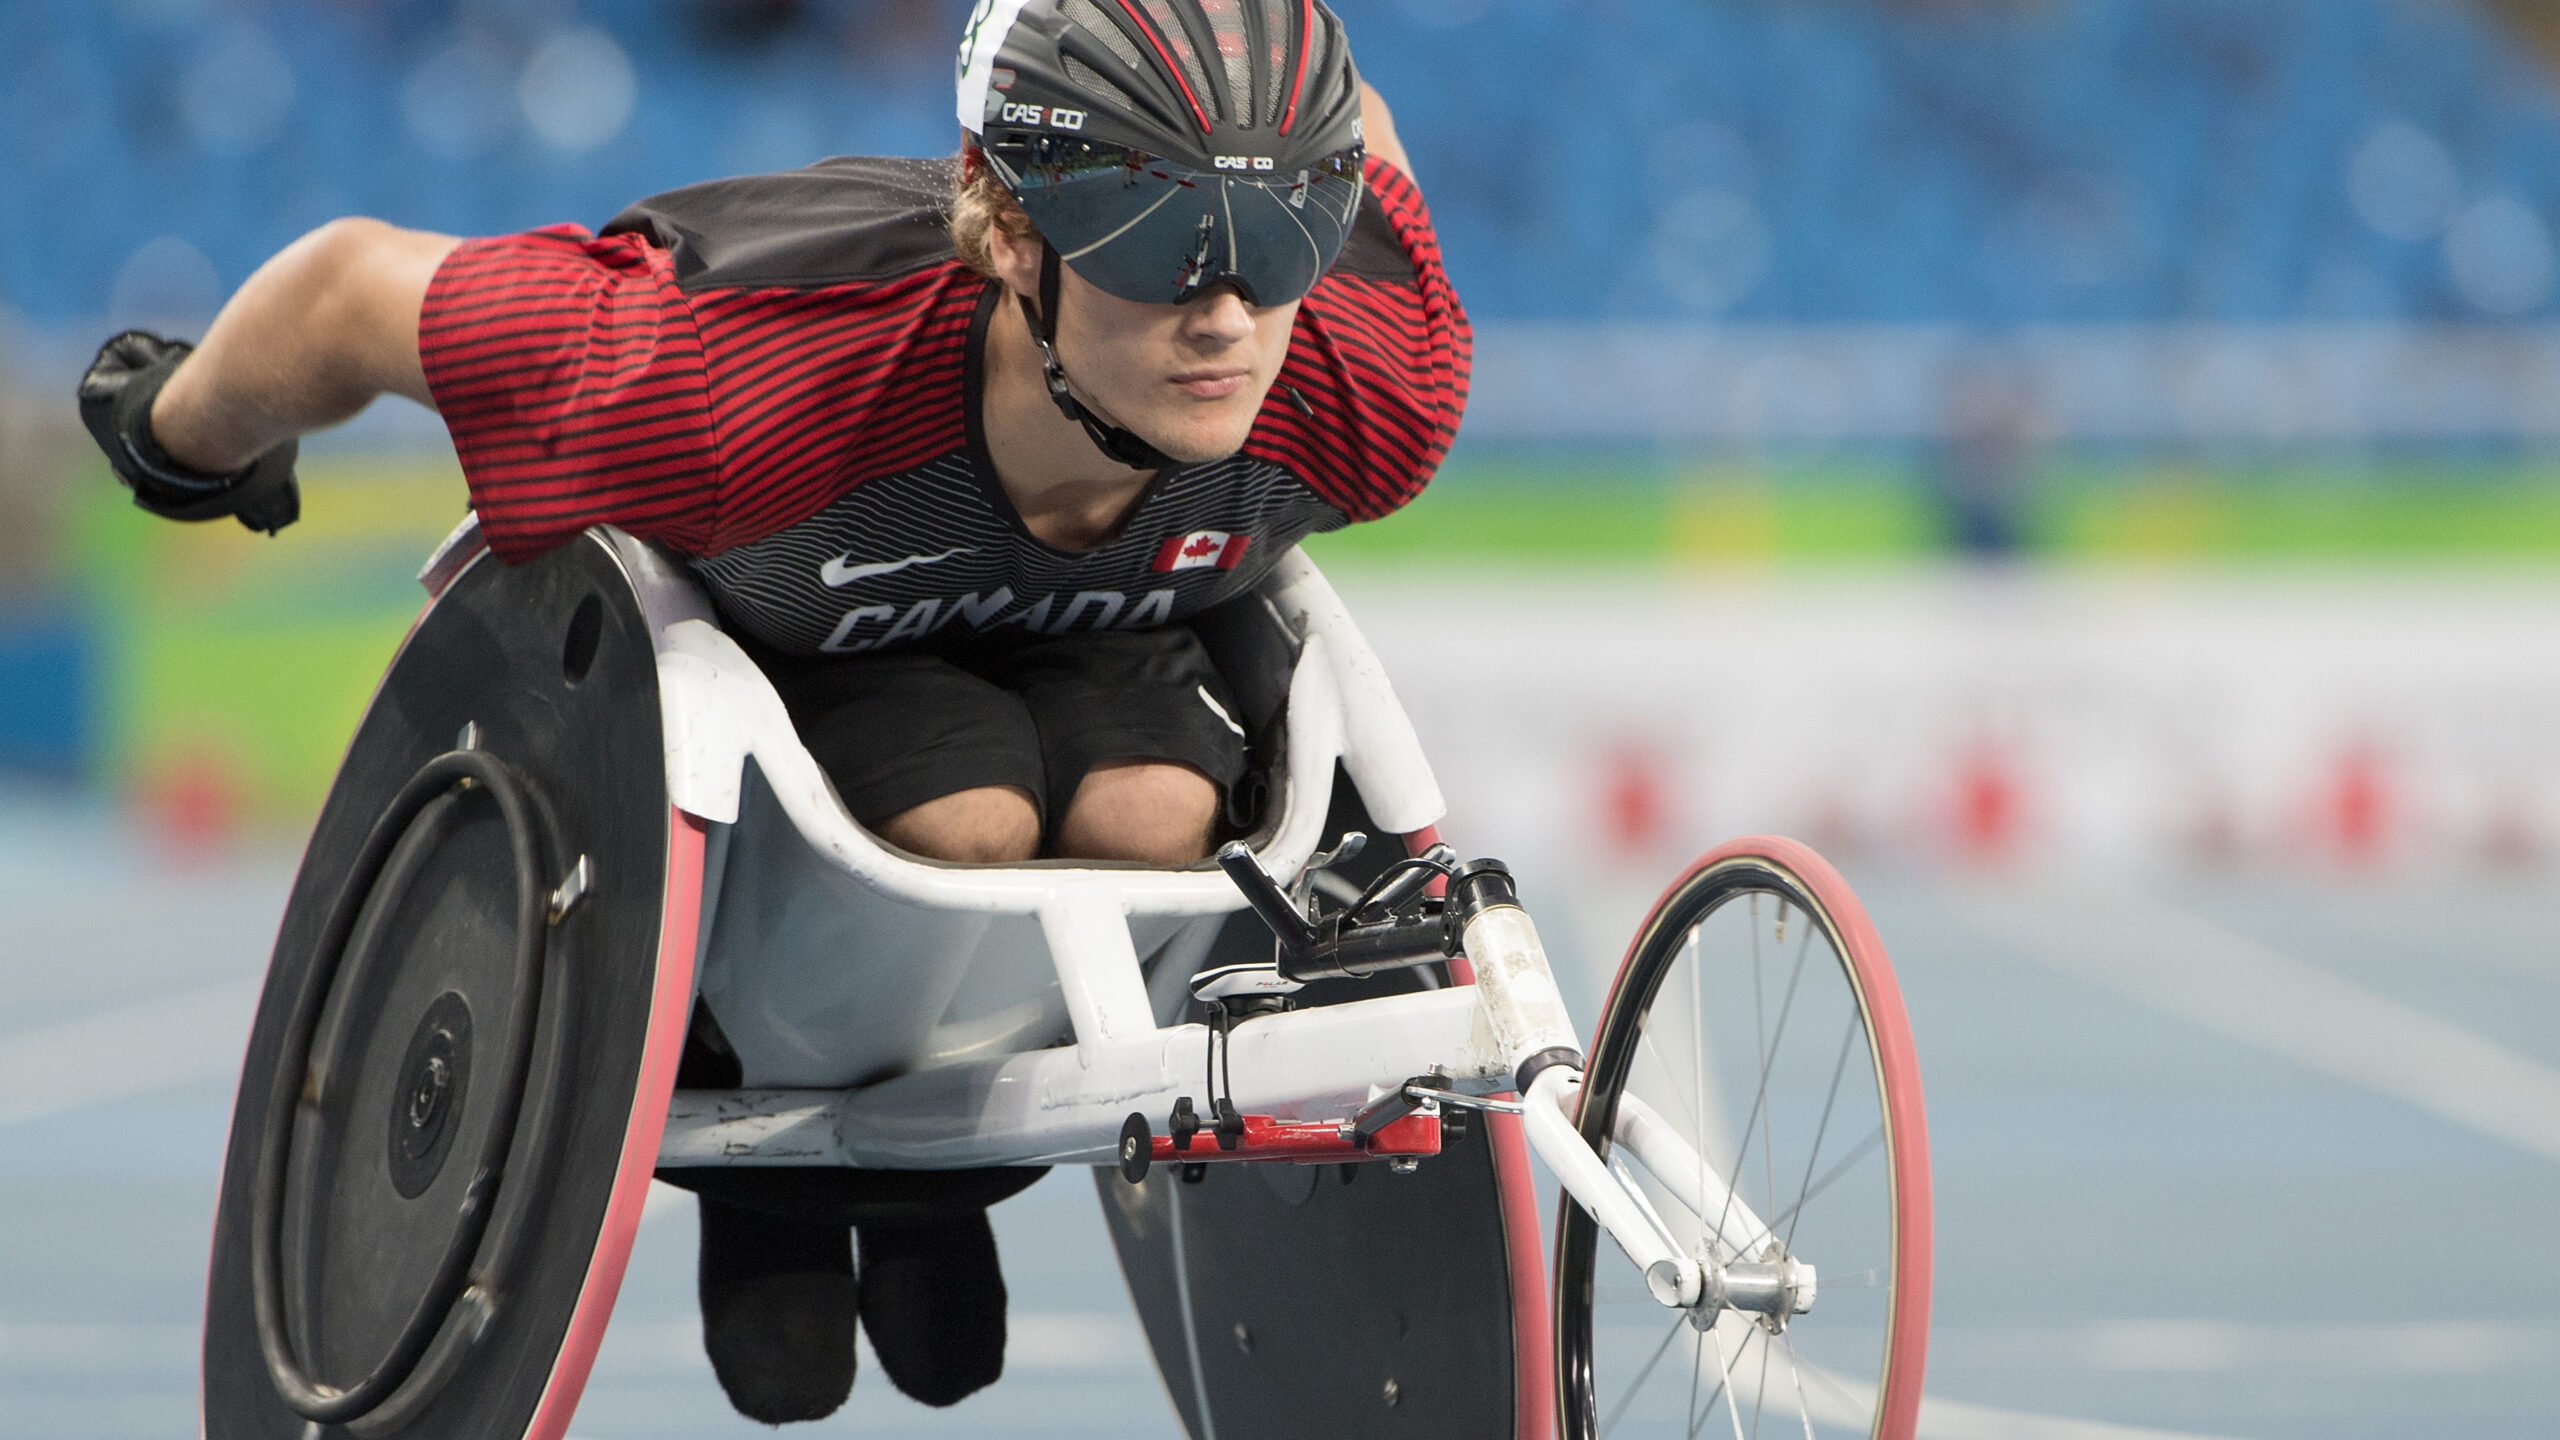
[{"x": 837, "y": 572}]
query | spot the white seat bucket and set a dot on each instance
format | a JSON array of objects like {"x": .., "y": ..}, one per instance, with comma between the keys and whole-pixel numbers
[
  {"x": 832, "y": 960},
  {"x": 821, "y": 980}
]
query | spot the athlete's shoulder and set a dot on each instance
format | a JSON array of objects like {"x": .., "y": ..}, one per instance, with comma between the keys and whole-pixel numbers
[
  {"x": 841, "y": 221},
  {"x": 1369, "y": 398},
  {"x": 1391, "y": 237}
]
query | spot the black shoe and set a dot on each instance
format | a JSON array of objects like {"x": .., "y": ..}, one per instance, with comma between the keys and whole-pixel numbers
[
  {"x": 933, "y": 1300},
  {"x": 779, "y": 1308}
]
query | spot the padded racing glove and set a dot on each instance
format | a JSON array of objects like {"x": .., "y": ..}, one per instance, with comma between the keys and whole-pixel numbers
[{"x": 115, "y": 403}]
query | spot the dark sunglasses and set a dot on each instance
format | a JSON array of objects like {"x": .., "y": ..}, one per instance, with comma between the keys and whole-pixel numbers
[{"x": 1150, "y": 229}]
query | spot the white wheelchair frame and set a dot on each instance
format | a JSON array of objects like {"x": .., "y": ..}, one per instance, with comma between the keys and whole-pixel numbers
[{"x": 955, "y": 1064}]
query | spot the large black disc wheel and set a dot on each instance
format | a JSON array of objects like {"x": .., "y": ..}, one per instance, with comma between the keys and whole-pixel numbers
[
  {"x": 1753, "y": 1076},
  {"x": 451, "y": 1099},
  {"x": 425, "y": 1096}
]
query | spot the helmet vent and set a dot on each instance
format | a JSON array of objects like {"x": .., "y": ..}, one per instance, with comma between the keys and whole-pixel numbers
[
  {"x": 1235, "y": 56},
  {"x": 1093, "y": 81},
  {"x": 1177, "y": 39},
  {"x": 1088, "y": 17},
  {"x": 1279, "y": 36}
]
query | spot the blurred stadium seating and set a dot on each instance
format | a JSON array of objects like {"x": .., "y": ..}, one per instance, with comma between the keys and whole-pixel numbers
[
  {"x": 1980, "y": 164},
  {"x": 2152, "y": 221},
  {"x": 1753, "y": 279}
]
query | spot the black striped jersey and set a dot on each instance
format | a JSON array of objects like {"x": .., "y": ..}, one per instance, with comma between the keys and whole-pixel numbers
[{"x": 777, "y": 376}]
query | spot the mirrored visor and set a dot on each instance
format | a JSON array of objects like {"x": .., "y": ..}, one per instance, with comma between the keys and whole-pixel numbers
[{"x": 1145, "y": 228}]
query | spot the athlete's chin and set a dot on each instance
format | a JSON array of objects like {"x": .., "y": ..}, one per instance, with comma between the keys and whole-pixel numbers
[{"x": 1194, "y": 439}]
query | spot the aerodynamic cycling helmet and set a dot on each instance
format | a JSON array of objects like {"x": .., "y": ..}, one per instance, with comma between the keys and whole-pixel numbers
[{"x": 1164, "y": 147}]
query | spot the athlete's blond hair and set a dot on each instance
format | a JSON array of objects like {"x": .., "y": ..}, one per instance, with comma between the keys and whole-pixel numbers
[{"x": 980, "y": 203}]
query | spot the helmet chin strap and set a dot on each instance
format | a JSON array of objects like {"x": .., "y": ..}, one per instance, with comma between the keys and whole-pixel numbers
[{"x": 1125, "y": 446}]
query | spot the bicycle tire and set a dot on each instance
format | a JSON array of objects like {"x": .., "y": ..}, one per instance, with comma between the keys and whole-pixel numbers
[{"x": 1853, "y": 1364}]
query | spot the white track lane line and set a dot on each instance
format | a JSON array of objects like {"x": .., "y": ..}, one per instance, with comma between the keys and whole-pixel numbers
[
  {"x": 194, "y": 1037},
  {"x": 2197, "y": 971},
  {"x": 1101, "y": 1341},
  {"x": 1836, "y": 1400},
  {"x": 1943, "y": 1419}
]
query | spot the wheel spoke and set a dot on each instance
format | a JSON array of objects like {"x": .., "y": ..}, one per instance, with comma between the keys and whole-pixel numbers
[
  {"x": 1846, "y": 1398},
  {"x": 1795, "y": 1376},
  {"x": 1724, "y": 1386},
  {"x": 1644, "y": 1040},
  {"x": 1760, "y": 1096},
  {"x": 1760, "y": 1392},
  {"x": 1874, "y": 1138},
  {"x": 1698, "y": 1071},
  {"x": 1697, "y": 1366},
  {"x": 1839, "y": 1067},
  {"x": 1644, "y": 1374},
  {"x": 1760, "y": 1023}
]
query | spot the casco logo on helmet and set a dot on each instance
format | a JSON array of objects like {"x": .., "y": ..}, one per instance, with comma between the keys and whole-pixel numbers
[
  {"x": 1058, "y": 116},
  {"x": 1243, "y": 162}
]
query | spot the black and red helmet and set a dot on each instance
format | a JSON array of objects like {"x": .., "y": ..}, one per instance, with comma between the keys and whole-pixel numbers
[{"x": 1167, "y": 146}]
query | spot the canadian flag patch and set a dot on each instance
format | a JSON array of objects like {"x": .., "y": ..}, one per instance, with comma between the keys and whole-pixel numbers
[{"x": 1201, "y": 548}]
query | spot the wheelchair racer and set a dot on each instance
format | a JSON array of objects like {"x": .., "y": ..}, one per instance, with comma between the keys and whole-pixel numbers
[{"x": 956, "y": 446}]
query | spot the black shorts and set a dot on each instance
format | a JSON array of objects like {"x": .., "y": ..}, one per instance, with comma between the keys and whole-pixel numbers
[{"x": 894, "y": 731}]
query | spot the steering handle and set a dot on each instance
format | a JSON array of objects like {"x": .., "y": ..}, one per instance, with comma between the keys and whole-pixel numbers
[
  {"x": 1263, "y": 893},
  {"x": 1339, "y": 946}
]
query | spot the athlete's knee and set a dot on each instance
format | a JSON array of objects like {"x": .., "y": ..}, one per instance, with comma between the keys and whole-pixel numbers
[
  {"x": 986, "y": 825},
  {"x": 1152, "y": 811}
]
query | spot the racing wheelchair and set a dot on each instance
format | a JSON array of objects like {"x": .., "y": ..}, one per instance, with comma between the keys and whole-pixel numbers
[{"x": 576, "y": 840}]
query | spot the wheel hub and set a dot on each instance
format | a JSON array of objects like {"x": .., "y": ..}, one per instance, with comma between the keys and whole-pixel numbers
[
  {"x": 426, "y": 1105},
  {"x": 1776, "y": 1289}
]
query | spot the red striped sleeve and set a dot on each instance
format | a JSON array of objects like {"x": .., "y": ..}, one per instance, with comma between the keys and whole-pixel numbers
[
  {"x": 582, "y": 386},
  {"x": 570, "y": 373},
  {"x": 1384, "y": 367},
  {"x": 819, "y": 390}
]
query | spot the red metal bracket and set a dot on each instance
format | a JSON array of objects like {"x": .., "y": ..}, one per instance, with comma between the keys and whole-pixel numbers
[{"x": 1307, "y": 1142}]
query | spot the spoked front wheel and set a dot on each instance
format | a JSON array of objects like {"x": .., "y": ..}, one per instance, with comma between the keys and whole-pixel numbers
[{"x": 1753, "y": 1077}]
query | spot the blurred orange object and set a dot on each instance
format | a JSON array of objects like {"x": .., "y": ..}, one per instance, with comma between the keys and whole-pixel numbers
[
  {"x": 1635, "y": 799},
  {"x": 193, "y": 803},
  {"x": 1987, "y": 808}
]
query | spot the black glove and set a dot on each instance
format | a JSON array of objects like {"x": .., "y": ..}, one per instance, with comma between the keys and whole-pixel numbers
[{"x": 115, "y": 403}]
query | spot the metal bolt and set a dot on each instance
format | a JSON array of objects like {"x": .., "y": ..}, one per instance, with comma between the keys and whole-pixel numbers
[
  {"x": 1393, "y": 1391},
  {"x": 1244, "y": 1338},
  {"x": 573, "y": 888},
  {"x": 1403, "y": 1165}
]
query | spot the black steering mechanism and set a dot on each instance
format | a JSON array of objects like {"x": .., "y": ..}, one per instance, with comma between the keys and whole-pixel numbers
[{"x": 1392, "y": 925}]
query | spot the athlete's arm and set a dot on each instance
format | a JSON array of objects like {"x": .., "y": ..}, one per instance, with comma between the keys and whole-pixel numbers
[
  {"x": 1378, "y": 129},
  {"x": 309, "y": 340},
  {"x": 1380, "y": 350}
]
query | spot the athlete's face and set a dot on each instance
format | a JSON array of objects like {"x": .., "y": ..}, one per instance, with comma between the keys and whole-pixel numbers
[{"x": 1187, "y": 378}]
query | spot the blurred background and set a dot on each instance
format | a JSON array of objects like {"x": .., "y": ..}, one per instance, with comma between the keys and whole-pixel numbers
[{"x": 2092, "y": 467}]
